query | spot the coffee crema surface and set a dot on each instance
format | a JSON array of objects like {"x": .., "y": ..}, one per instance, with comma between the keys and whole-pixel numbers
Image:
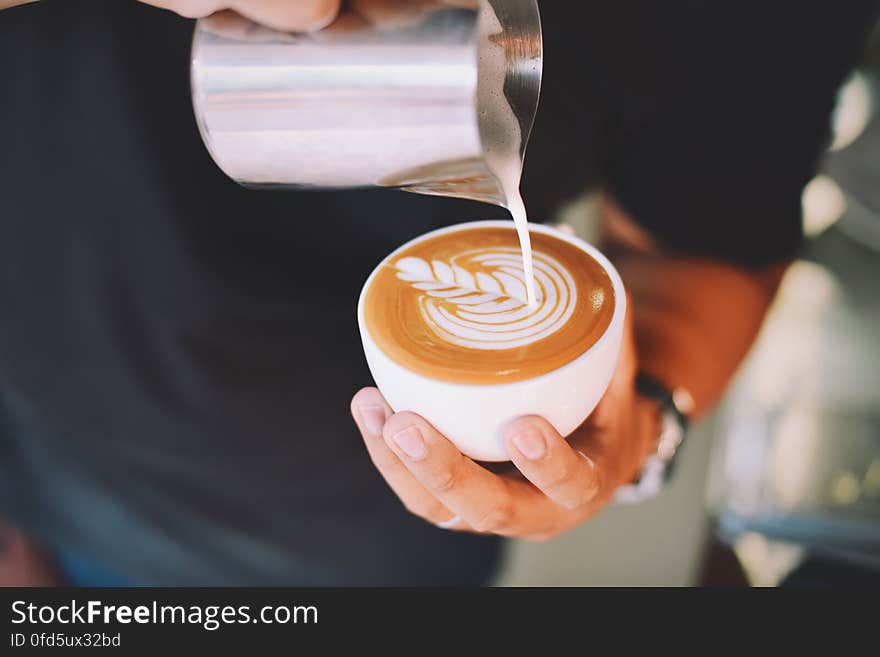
[{"x": 454, "y": 307}]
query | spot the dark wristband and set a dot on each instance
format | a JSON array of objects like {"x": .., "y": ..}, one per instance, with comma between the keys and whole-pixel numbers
[{"x": 649, "y": 387}]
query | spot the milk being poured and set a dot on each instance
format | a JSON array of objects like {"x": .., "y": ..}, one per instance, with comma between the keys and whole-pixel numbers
[
  {"x": 509, "y": 181},
  {"x": 502, "y": 136}
]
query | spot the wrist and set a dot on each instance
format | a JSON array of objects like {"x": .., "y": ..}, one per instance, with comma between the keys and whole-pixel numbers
[{"x": 663, "y": 423}]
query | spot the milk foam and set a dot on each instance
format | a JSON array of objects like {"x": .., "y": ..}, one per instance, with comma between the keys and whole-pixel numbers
[
  {"x": 479, "y": 300},
  {"x": 452, "y": 306},
  {"x": 502, "y": 136}
]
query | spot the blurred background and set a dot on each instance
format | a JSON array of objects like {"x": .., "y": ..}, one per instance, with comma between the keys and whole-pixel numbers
[{"x": 788, "y": 467}]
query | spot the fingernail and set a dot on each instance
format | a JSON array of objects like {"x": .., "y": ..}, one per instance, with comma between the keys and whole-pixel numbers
[
  {"x": 531, "y": 444},
  {"x": 589, "y": 461},
  {"x": 449, "y": 524},
  {"x": 411, "y": 443},
  {"x": 373, "y": 418},
  {"x": 593, "y": 492}
]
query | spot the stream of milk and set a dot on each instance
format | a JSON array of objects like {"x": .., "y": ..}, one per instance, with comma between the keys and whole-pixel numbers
[{"x": 501, "y": 135}]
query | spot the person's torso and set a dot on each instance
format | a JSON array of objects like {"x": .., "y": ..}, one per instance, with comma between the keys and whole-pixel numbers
[{"x": 175, "y": 363}]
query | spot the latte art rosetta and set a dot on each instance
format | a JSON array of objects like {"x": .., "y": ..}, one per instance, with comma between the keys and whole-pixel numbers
[
  {"x": 453, "y": 306},
  {"x": 478, "y": 299}
]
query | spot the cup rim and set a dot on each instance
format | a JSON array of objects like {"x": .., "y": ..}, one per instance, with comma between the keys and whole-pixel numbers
[{"x": 614, "y": 326}]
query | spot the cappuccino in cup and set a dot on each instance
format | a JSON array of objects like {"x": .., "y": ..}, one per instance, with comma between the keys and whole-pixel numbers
[{"x": 450, "y": 333}]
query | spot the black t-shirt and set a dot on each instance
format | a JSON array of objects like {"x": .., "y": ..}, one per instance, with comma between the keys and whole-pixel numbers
[{"x": 174, "y": 385}]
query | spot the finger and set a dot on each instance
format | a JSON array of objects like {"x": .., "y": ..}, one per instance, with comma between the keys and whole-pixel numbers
[
  {"x": 297, "y": 16},
  {"x": 486, "y": 502},
  {"x": 403, "y": 12},
  {"x": 370, "y": 412},
  {"x": 6, "y": 4},
  {"x": 347, "y": 22},
  {"x": 618, "y": 449},
  {"x": 232, "y": 25},
  {"x": 566, "y": 476},
  {"x": 189, "y": 8}
]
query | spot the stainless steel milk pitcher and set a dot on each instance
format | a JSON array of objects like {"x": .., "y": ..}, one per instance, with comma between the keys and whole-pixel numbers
[{"x": 408, "y": 101}]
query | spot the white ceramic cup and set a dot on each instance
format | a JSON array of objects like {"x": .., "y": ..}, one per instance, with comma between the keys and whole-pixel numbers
[{"x": 473, "y": 416}]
